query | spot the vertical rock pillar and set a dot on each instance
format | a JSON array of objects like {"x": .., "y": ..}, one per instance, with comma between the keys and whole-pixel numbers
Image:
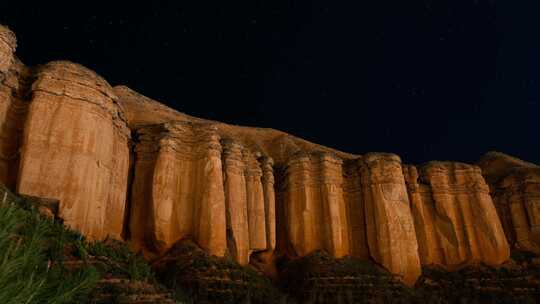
[
  {"x": 236, "y": 202},
  {"x": 255, "y": 202},
  {"x": 210, "y": 214},
  {"x": 178, "y": 188},
  {"x": 75, "y": 149},
  {"x": 389, "y": 224},
  {"x": 14, "y": 86},
  {"x": 354, "y": 202},
  {"x": 269, "y": 202},
  {"x": 315, "y": 206},
  {"x": 333, "y": 205}
]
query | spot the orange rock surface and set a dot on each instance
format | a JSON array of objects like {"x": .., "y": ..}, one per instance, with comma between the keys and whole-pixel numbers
[
  {"x": 456, "y": 221},
  {"x": 8, "y": 43},
  {"x": 515, "y": 188},
  {"x": 389, "y": 223},
  {"x": 178, "y": 188},
  {"x": 315, "y": 207},
  {"x": 123, "y": 165},
  {"x": 75, "y": 149},
  {"x": 13, "y": 107},
  {"x": 141, "y": 110}
]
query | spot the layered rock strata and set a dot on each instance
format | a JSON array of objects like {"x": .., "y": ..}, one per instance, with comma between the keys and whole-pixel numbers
[
  {"x": 455, "y": 219},
  {"x": 178, "y": 188},
  {"x": 253, "y": 193},
  {"x": 315, "y": 207},
  {"x": 75, "y": 149},
  {"x": 141, "y": 110},
  {"x": 354, "y": 202},
  {"x": 14, "y": 78},
  {"x": 8, "y": 43},
  {"x": 250, "y": 201},
  {"x": 515, "y": 188},
  {"x": 389, "y": 223},
  {"x": 194, "y": 185}
]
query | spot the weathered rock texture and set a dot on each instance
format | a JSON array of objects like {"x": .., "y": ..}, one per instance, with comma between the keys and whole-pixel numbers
[
  {"x": 13, "y": 107},
  {"x": 75, "y": 149},
  {"x": 141, "y": 110},
  {"x": 389, "y": 223},
  {"x": 315, "y": 213},
  {"x": 515, "y": 188},
  {"x": 178, "y": 188},
  {"x": 456, "y": 221},
  {"x": 253, "y": 194},
  {"x": 248, "y": 197},
  {"x": 362, "y": 210},
  {"x": 189, "y": 184},
  {"x": 8, "y": 43}
]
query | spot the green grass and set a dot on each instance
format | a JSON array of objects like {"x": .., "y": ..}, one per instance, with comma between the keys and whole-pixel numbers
[
  {"x": 122, "y": 260},
  {"x": 33, "y": 250},
  {"x": 31, "y": 260}
]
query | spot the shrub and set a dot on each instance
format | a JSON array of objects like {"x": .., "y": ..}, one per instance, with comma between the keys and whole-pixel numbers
[{"x": 27, "y": 271}]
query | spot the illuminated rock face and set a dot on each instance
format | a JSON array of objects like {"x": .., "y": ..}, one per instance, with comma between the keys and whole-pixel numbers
[
  {"x": 252, "y": 193},
  {"x": 361, "y": 211},
  {"x": 8, "y": 43},
  {"x": 178, "y": 188},
  {"x": 455, "y": 218},
  {"x": 75, "y": 149},
  {"x": 187, "y": 184},
  {"x": 315, "y": 207},
  {"x": 250, "y": 201},
  {"x": 389, "y": 223},
  {"x": 515, "y": 188},
  {"x": 13, "y": 107},
  {"x": 355, "y": 206}
]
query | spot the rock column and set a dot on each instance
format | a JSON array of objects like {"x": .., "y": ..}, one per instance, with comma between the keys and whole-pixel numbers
[
  {"x": 75, "y": 149},
  {"x": 389, "y": 223}
]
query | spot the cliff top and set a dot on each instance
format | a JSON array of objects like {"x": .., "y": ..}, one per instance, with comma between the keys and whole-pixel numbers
[
  {"x": 141, "y": 110},
  {"x": 497, "y": 165}
]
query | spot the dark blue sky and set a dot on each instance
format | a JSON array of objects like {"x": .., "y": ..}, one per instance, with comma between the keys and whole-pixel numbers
[{"x": 445, "y": 80}]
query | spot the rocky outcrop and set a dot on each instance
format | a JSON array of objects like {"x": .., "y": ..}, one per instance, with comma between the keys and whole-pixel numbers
[
  {"x": 185, "y": 268},
  {"x": 354, "y": 203},
  {"x": 315, "y": 207},
  {"x": 189, "y": 184},
  {"x": 178, "y": 188},
  {"x": 509, "y": 283},
  {"x": 253, "y": 194},
  {"x": 320, "y": 278},
  {"x": 455, "y": 219},
  {"x": 250, "y": 201},
  {"x": 75, "y": 149},
  {"x": 8, "y": 43},
  {"x": 362, "y": 211},
  {"x": 515, "y": 188},
  {"x": 14, "y": 78},
  {"x": 141, "y": 110},
  {"x": 389, "y": 222}
]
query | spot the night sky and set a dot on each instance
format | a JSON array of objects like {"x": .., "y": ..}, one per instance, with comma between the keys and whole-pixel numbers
[{"x": 428, "y": 80}]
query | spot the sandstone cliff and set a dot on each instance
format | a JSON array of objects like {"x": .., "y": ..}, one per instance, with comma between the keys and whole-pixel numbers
[
  {"x": 125, "y": 166},
  {"x": 178, "y": 188},
  {"x": 515, "y": 188},
  {"x": 75, "y": 148},
  {"x": 14, "y": 82},
  {"x": 455, "y": 219}
]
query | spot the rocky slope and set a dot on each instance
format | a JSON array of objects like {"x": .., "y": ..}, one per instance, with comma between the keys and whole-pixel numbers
[{"x": 125, "y": 166}]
